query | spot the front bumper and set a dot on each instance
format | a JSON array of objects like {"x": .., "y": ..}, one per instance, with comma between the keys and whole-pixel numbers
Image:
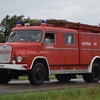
[{"x": 13, "y": 66}]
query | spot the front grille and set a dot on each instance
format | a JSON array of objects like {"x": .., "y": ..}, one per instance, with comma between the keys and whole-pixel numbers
[{"x": 5, "y": 53}]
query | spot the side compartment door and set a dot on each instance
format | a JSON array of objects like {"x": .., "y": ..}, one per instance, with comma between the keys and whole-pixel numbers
[
  {"x": 86, "y": 50},
  {"x": 71, "y": 52},
  {"x": 96, "y": 44}
]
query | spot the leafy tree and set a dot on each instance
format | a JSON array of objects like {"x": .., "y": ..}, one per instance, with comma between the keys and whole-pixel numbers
[
  {"x": 35, "y": 22},
  {"x": 2, "y": 39},
  {"x": 10, "y": 22}
]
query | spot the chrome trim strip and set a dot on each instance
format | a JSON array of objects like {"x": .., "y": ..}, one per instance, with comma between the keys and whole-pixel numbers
[
  {"x": 13, "y": 66},
  {"x": 69, "y": 71},
  {"x": 60, "y": 48}
]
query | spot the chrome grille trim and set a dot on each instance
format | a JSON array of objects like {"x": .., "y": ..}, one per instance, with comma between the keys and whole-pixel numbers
[{"x": 5, "y": 53}]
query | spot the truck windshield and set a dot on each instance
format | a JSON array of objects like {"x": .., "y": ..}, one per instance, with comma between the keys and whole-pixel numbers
[{"x": 25, "y": 36}]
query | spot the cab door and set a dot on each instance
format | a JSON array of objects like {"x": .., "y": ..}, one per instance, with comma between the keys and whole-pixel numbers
[{"x": 52, "y": 47}]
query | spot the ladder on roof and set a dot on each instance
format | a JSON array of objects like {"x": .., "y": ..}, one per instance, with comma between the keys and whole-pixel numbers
[{"x": 72, "y": 25}]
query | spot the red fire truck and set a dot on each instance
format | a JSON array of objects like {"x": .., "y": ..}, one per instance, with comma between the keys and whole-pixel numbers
[{"x": 58, "y": 47}]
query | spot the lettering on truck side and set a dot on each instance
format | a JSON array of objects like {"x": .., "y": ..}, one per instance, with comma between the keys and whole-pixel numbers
[
  {"x": 86, "y": 43},
  {"x": 89, "y": 44}
]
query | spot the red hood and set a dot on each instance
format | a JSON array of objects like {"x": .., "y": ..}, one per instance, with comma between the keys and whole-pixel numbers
[{"x": 19, "y": 46}]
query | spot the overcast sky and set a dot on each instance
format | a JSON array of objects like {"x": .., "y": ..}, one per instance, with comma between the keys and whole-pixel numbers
[{"x": 84, "y": 11}]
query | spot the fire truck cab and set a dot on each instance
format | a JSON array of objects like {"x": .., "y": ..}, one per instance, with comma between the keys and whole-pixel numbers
[{"x": 39, "y": 51}]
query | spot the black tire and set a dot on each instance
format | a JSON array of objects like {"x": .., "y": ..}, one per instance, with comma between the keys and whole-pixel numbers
[
  {"x": 37, "y": 74},
  {"x": 5, "y": 77},
  {"x": 88, "y": 78},
  {"x": 63, "y": 77},
  {"x": 93, "y": 77}
]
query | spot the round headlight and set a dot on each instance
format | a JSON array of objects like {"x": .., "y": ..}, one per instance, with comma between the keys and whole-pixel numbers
[{"x": 19, "y": 59}]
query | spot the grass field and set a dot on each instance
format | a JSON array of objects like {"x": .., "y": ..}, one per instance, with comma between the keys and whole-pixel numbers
[
  {"x": 26, "y": 77},
  {"x": 65, "y": 94},
  {"x": 51, "y": 77}
]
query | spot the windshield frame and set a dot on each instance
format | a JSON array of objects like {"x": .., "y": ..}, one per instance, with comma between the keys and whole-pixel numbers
[{"x": 22, "y": 32}]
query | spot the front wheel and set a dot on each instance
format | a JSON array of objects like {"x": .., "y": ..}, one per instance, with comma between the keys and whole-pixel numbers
[
  {"x": 94, "y": 76},
  {"x": 37, "y": 74},
  {"x": 5, "y": 76}
]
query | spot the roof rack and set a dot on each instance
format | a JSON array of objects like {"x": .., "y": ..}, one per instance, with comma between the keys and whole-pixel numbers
[{"x": 72, "y": 25}]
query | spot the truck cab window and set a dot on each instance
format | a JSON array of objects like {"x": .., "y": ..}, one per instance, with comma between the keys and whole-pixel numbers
[
  {"x": 69, "y": 38},
  {"x": 49, "y": 38},
  {"x": 25, "y": 36}
]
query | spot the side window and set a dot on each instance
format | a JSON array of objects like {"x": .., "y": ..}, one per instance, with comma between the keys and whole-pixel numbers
[
  {"x": 69, "y": 38},
  {"x": 49, "y": 38}
]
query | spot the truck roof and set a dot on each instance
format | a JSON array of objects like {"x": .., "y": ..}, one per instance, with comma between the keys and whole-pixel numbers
[
  {"x": 61, "y": 25},
  {"x": 57, "y": 29},
  {"x": 73, "y": 25}
]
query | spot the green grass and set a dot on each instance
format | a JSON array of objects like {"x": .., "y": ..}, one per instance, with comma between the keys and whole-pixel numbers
[
  {"x": 26, "y": 77},
  {"x": 51, "y": 77},
  {"x": 65, "y": 94},
  {"x": 23, "y": 77}
]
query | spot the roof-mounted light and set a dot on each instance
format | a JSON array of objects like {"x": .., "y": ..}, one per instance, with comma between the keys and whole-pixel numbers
[
  {"x": 27, "y": 24},
  {"x": 19, "y": 24},
  {"x": 43, "y": 23}
]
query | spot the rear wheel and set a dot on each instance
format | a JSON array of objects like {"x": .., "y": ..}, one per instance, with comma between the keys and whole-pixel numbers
[
  {"x": 94, "y": 76},
  {"x": 63, "y": 77},
  {"x": 5, "y": 76},
  {"x": 37, "y": 74}
]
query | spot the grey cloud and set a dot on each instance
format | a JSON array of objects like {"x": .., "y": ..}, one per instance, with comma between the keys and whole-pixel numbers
[{"x": 85, "y": 11}]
